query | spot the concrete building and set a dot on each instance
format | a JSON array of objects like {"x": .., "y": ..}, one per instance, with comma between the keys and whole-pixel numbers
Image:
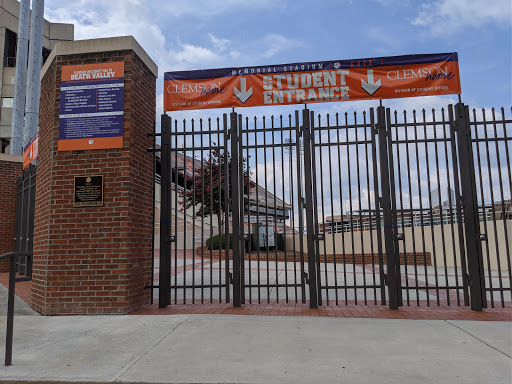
[{"x": 52, "y": 32}]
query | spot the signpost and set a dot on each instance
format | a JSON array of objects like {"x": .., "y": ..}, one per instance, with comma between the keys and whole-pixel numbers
[
  {"x": 91, "y": 106},
  {"x": 313, "y": 82}
]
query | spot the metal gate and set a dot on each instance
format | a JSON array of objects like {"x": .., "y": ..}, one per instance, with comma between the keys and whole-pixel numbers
[{"x": 380, "y": 209}]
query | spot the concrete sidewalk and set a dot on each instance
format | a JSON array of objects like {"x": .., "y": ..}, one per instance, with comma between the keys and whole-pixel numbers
[{"x": 256, "y": 349}]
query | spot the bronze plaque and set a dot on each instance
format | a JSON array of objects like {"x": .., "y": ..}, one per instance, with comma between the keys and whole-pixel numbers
[{"x": 88, "y": 191}]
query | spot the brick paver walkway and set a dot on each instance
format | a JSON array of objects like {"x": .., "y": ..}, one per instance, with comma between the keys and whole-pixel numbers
[
  {"x": 346, "y": 311},
  {"x": 434, "y": 312}
]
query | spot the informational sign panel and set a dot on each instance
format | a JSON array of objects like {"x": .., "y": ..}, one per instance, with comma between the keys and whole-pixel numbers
[
  {"x": 88, "y": 191},
  {"x": 314, "y": 82},
  {"x": 30, "y": 151},
  {"x": 91, "y": 106}
]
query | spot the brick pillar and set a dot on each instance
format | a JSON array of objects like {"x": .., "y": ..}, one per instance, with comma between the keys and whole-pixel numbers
[
  {"x": 95, "y": 259},
  {"x": 10, "y": 168}
]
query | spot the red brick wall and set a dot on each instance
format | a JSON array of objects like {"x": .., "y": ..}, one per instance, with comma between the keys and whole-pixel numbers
[
  {"x": 9, "y": 172},
  {"x": 367, "y": 258},
  {"x": 95, "y": 259}
]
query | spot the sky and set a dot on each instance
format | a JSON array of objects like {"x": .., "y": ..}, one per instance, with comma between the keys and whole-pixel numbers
[{"x": 207, "y": 34}]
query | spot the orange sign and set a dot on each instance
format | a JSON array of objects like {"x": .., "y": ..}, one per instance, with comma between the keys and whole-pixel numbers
[
  {"x": 30, "y": 151},
  {"x": 91, "y": 106},
  {"x": 299, "y": 83}
]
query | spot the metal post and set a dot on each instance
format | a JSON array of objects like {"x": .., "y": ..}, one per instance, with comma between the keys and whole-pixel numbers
[
  {"x": 235, "y": 210},
  {"x": 20, "y": 81},
  {"x": 10, "y": 312},
  {"x": 470, "y": 208},
  {"x": 164, "y": 285},
  {"x": 386, "y": 209},
  {"x": 310, "y": 209},
  {"x": 35, "y": 59}
]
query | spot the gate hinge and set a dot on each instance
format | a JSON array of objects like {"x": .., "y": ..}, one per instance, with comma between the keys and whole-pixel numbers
[
  {"x": 230, "y": 277},
  {"x": 385, "y": 279},
  {"x": 306, "y": 277},
  {"x": 467, "y": 277}
]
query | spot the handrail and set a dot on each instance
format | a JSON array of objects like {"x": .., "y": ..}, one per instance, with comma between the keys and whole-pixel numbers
[{"x": 10, "y": 303}]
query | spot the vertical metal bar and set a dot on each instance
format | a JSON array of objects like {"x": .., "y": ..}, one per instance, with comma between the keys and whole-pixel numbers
[
  {"x": 387, "y": 209},
  {"x": 469, "y": 196},
  {"x": 153, "y": 214},
  {"x": 351, "y": 211},
  {"x": 176, "y": 195},
  {"x": 421, "y": 213},
  {"x": 441, "y": 216},
  {"x": 402, "y": 218},
  {"x": 257, "y": 210},
  {"x": 493, "y": 212},
  {"x": 202, "y": 167},
  {"x": 219, "y": 207},
  {"x": 194, "y": 210},
  {"x": 185, "y": 224},
  {"x": 343, "y": 249},
  {"x": 482, "y": 194},
  {"x": 378, "y": 204},
  {"x": 332, "y": 232},
  {"x": 165, "y": 218},
  {"x": 292, "y": 203},
  {"x": 320, "y": 155},
  {"x": 315, "y": 207},
  {"x": 235, "y": 208},
  {"x": 361, "y": 222},
  {"x": 411, "y": 207},
  {"x": 370, "y": 216},
  {"x": 503, "y": 208},
  {"x": 391, "y": 167},
  {"x": 284, "y": 212},
  {"x": 241, "y": 209},
  {"x": 225, "y": 182},
  {"x": 310, "y": 208},
  {"x": 210, "y": 188},
  {"x": 300, "y": 202},
  {"x": 267, "y": 256},
  {"x": 274, "y": 190},
  {"x": 458, "y": 205},
  {"x": 430, "y": 209},
  {"x": 451, "y": 207},
  {"x": 10, "y": 312},
  {"x": 249, "y": 244}
]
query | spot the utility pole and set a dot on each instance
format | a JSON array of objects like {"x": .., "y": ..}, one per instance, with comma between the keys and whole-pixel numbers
[
  {"x": 34, "y": 71},
  {"x": 20, "y": 80}
]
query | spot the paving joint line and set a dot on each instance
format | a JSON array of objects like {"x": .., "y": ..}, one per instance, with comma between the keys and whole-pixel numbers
[
  {"x": 149, "y": 349},
  {"x": 482, "y": 341}
]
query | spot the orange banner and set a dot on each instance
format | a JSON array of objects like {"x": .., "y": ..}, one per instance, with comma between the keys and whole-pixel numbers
[
  {"x": 379, "y": 78},
  {"x": 30, "y": 151}
]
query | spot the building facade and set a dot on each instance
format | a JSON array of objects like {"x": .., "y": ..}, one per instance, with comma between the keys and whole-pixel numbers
[{"x": 9, "y": 21}]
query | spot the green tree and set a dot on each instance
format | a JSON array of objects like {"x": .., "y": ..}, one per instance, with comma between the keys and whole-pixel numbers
[{"x": 206, "y": 187}]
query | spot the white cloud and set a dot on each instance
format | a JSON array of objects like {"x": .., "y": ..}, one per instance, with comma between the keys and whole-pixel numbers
[{"x": 446, "y": 17}]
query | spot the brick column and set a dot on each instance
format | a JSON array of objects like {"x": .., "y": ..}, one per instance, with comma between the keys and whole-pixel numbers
[
  {"x": 95, "y": 259},
  {"x": 10, "y": 168}
]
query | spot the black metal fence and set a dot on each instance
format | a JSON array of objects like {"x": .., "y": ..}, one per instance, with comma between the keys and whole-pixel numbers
[{"x": 382, "y": 208}]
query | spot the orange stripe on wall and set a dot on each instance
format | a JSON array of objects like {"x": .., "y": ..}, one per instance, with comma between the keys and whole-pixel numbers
[{"x": 94, "y": 143}]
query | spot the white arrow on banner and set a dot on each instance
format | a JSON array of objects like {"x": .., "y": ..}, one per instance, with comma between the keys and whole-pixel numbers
[
  {"x": 370, "y": 87},
  {"x": 243, "y": 94}
]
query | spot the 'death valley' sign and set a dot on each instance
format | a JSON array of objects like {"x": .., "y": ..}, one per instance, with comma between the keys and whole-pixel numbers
[{"x": 326, "y": 81}]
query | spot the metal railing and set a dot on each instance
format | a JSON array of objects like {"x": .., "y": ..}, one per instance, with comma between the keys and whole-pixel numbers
[{"x": 20, "y": 262}]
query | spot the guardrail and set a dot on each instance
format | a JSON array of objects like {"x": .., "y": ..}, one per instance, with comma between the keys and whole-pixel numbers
[{"x": 20, "y": 262}]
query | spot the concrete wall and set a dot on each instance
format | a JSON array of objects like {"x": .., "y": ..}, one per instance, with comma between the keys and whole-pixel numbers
[{"x": 428, "y": 240}]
